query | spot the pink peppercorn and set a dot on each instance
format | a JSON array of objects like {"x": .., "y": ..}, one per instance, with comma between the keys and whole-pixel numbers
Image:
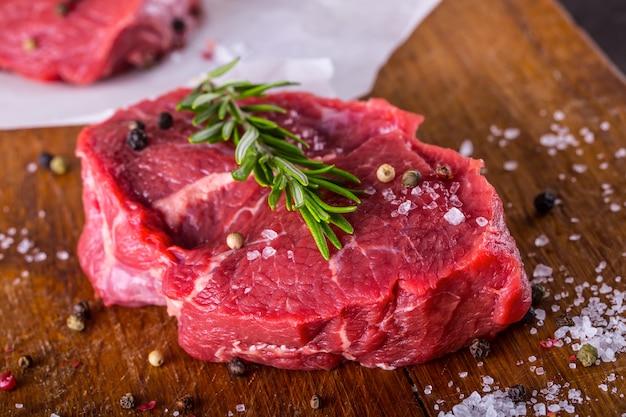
[{"x": 7, "y": 381}]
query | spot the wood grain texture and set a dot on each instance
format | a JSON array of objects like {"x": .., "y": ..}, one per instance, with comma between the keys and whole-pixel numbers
[{"x": 470, "y": 67}]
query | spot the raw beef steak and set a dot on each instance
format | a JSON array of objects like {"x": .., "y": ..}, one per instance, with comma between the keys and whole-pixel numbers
[
  {"x": 82, "y": 41},
  {"x": 427, "y": 269}
]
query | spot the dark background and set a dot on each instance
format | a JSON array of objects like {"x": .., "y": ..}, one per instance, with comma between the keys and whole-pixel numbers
[{"x": 605, "y": 22}]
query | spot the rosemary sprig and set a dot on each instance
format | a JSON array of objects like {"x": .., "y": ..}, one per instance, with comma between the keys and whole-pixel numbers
[{"x": 271, "y": 153}]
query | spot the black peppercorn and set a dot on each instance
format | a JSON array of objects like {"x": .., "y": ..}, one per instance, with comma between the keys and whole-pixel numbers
[
  {"x": 544, "y": 202},
  {"x": 538, "y": 294},
  {"x": 24, "y": 361},
  {"x": 185, "y": 403},
  {"x": 517, "y": 393},
  {"x": 237, "y": 367},
  {"x": 480, "y": 348},
  {"x": 82, "y": 308},
  {"x": 178, "y": 25},
  {"x": 44, "y": 159},
  {"x": 136, "y": 139},
  {"x": 127, "y": 401},
  {"x": 165, "y": 120}
]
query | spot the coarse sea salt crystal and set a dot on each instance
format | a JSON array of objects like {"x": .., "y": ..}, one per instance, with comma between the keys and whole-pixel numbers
[
  {"x": 369, "y": 190},
  {"x": 542, "y": 271},
  {"x": 541, "y": 240},
  {"x": 558, "y": 115},
  {"x": 481, "y": 221},
  {"x": 605, "y": 126},
  {"x": 510, "y": 165},
  {"x": 252, "y": 255},
  {"x": 268, "y": 252},
  {"x": 579, "y": 168},
  {"x": 405, "y": 207},
  {"x": 31, "y": 167},
  {"x": 40, "y": 256},
  {"x": 63, "y": 255},
  {"x": 454, "y": 216},
  {"x": 466, "y": 148},
  {"x": 269, "y": 234},
  {"x": 540, "y": 314},
  {"x": 620, "y": 153},
  {"x": 511, "y": 133}
]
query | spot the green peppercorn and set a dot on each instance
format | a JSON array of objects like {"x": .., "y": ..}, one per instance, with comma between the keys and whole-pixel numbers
[
  {"x": 58, "y": 165},
  {"x": 127, "y": 401},
  {"x": 480, "y": 348},
  {"x": 411, "y": 178},
  {"x": 237, "y": 367},
  {"x": 587, "y": 355}
]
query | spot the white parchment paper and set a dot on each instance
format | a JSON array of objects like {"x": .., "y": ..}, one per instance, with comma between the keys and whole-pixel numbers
[{"x": 331, "y": 47}]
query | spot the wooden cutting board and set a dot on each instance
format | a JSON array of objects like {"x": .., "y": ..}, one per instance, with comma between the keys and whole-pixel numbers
[{"x": 498, "y": 76}]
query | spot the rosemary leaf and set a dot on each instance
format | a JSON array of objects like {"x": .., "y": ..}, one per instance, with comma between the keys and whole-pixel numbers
[
  {"x": 293, "y": 171},
  {"x": 296, "y": 193},
  {"x": 247, "y": 140},
  {"x": 247, "y": 165},
  {"x": 219, "y": 71},
  {"x": 262, "y": 107},
  {"x": 271, "y": 153},
  {"x": 328, "y": 207},
  {"x": 317, "y": 232},
  {"x": 330, "y": 235},
  {"x": 258, "y": 90},
  {"x": 227, "y": 130},
  {"x": 204, "y": 135}
]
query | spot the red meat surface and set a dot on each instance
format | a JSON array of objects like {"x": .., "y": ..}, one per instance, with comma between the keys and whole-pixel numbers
[
  {"x": 91, "y": 39},
  {"x": 426, "y": 271}
]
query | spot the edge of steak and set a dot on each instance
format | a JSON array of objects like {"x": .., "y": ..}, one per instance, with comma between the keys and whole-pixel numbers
[
  {"x": 426, "y": 271},
  {"x": 92, "y": 39}
]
